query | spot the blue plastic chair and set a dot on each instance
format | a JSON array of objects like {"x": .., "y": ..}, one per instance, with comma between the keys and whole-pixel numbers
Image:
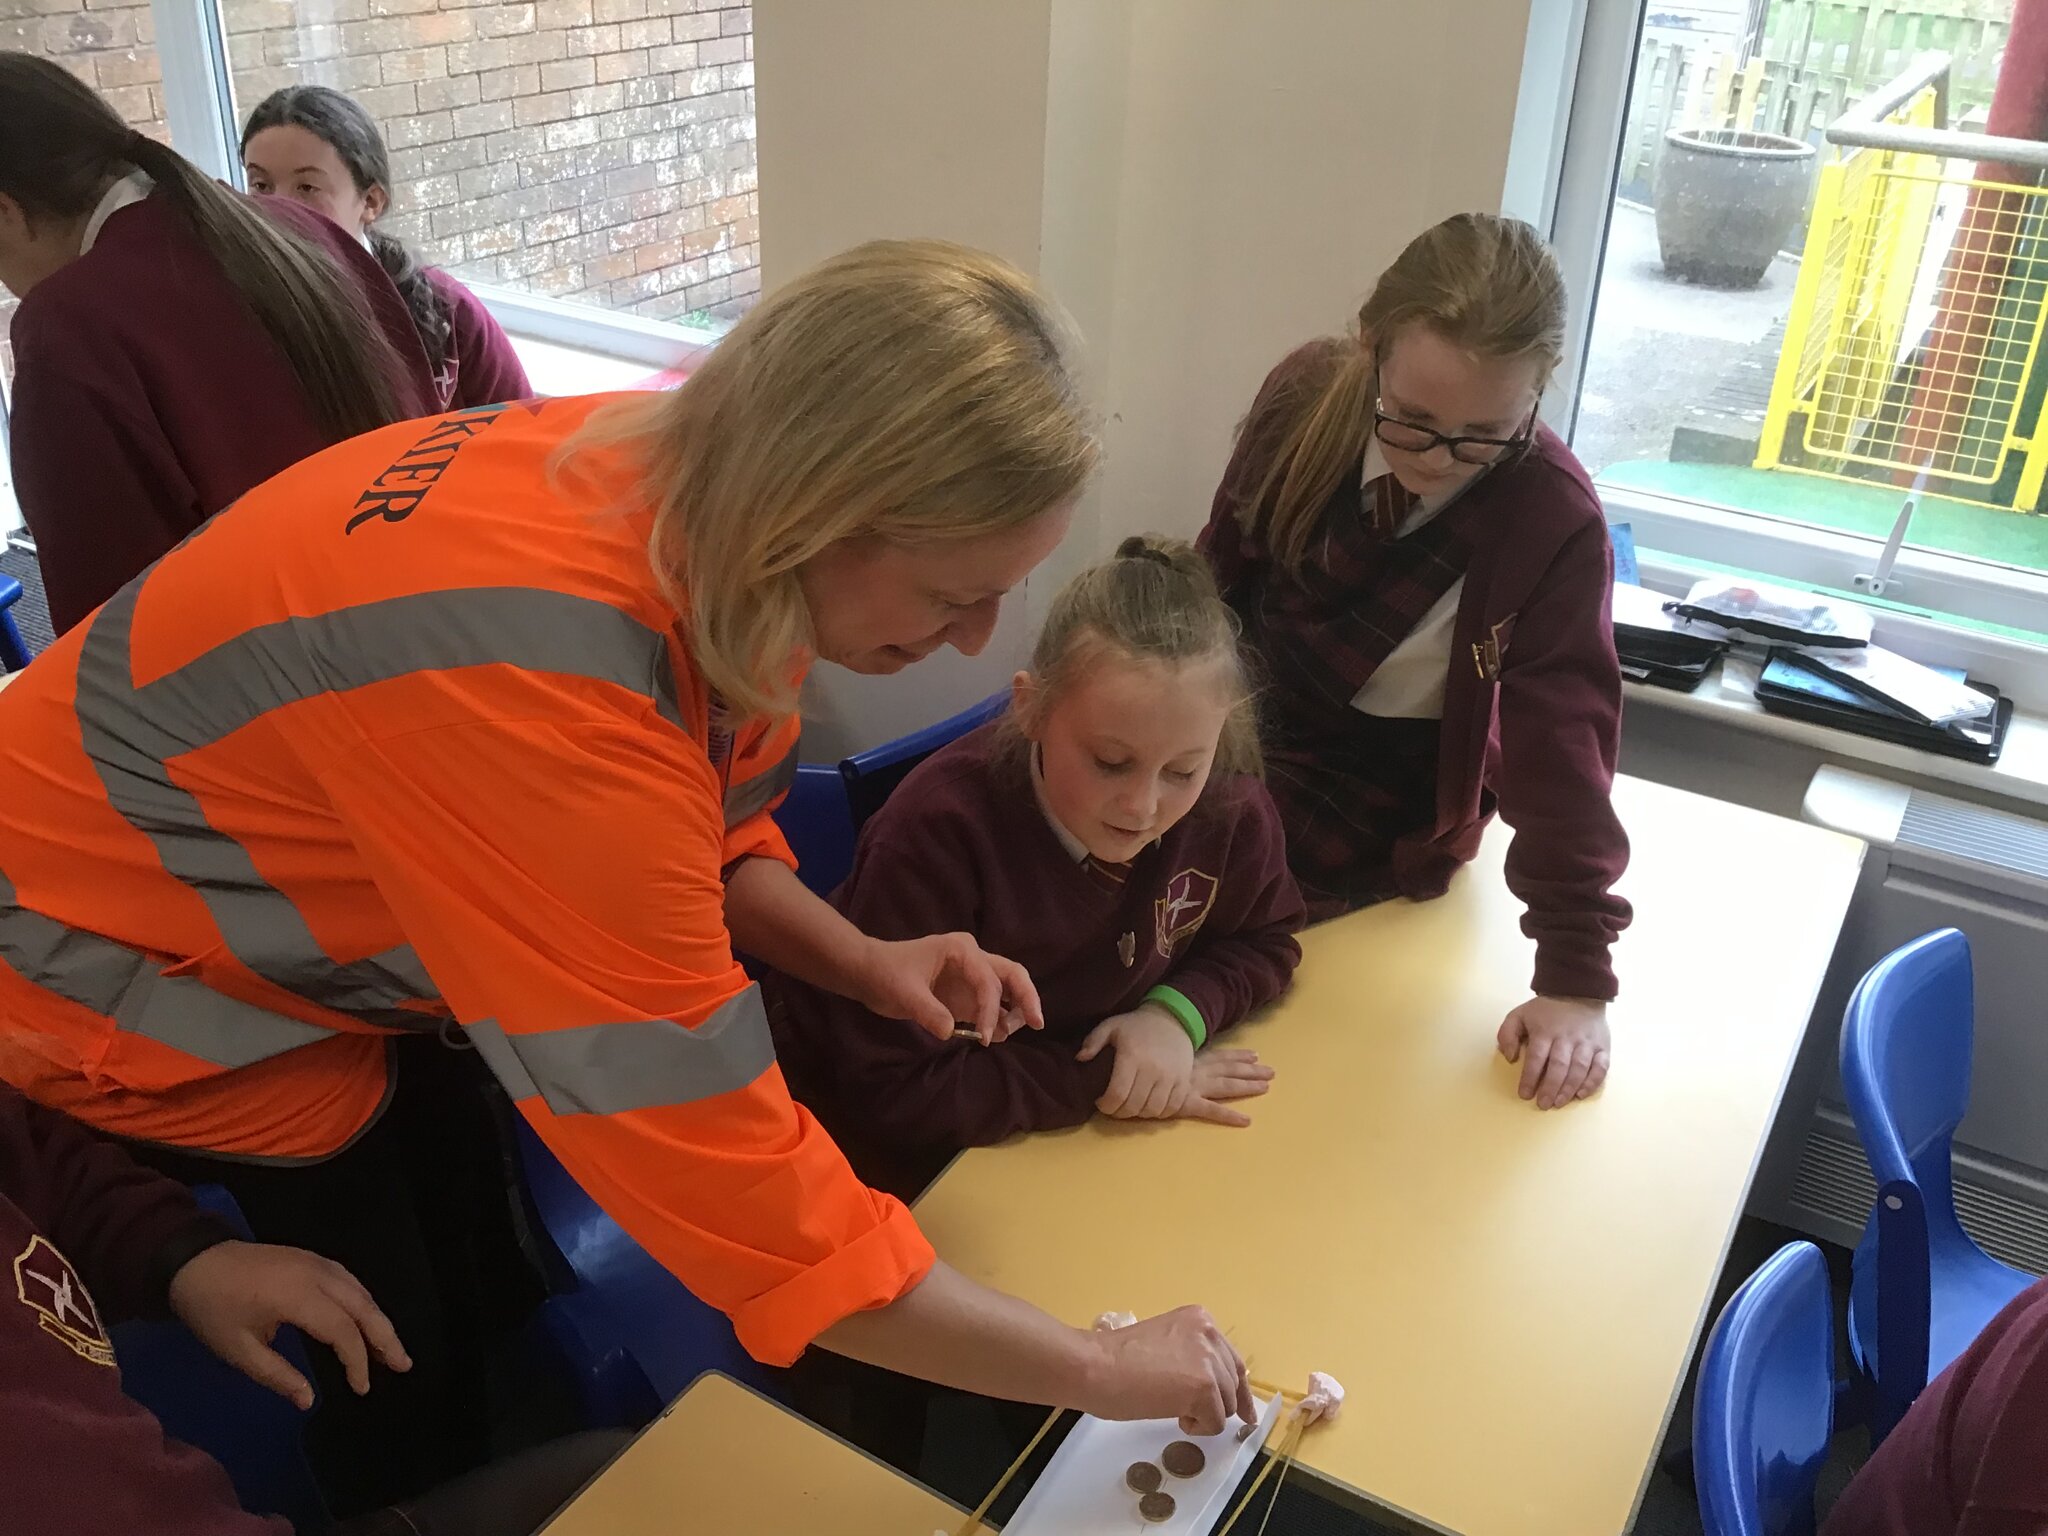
[
  {"x": 1922, "y": 1289},
  {"x": 205, "y": 1402},
  {"x": 633, "y": 1337},
  {"x": 872, "y": 776},
  {"x": 815, "y": 818},
  {"x": 1764, "y": 1409},
  {"x": 13, "y": 649}
]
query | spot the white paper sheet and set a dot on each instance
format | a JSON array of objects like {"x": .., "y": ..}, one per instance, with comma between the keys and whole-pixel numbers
[{"x": 1082, "y": 1491}]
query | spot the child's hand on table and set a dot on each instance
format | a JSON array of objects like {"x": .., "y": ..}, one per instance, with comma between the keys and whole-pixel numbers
[
  {"x": 1160, "y": 1076},
  {"x": 1563, "y": 1046},
  {"x": 235, "y": 1296},
  {"x": 1221, "y": 1075}
]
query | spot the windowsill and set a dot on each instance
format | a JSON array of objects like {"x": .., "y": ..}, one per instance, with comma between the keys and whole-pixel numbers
[
  {"x": 2021, "y": 772},
  {"x": 656, "y": 344},
  {"x": 1999, "y": 641},
  {"x": 554, "y": 369}
]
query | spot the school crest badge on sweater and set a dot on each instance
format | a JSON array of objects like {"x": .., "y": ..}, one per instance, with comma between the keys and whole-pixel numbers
[
  {"x": 46, "y": 1284},
  {"x": 1182, "y": 909}
]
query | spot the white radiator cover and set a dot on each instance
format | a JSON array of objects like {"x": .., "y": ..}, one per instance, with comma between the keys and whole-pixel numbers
[{"x": 1934, "y": 862}]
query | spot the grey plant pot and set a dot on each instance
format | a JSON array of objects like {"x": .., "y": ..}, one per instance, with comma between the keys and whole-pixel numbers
[{"x": 1727, "y": 201}]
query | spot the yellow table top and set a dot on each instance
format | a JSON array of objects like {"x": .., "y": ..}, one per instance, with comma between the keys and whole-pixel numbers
[
  {"x": 724, "y": 1459},
  {"x": 1509, "y": 1297}
]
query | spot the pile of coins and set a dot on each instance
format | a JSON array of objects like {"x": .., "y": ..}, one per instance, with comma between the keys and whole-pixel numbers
[{"x": 1182, "y": 1459}]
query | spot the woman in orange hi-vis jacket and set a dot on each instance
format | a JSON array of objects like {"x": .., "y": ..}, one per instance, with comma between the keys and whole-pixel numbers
[{"x": 468, "y": 729}]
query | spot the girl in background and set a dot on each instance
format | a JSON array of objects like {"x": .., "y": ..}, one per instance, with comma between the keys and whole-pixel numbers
[
  {"x": 1110, "y": 835},
  {"x": 1423, "y": 568},
  {"x": 175, "y": 344},
  {"x": 318, "y": 147}
]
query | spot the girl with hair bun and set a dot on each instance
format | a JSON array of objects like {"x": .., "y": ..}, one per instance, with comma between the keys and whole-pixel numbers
[{"x": 1111, "y": 834}]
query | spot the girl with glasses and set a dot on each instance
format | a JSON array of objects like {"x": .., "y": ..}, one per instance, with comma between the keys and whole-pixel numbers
[{"x": 1423, "y": 569}]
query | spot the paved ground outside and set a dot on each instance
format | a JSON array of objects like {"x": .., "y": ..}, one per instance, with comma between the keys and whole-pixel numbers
[{"x": 1663, "y": 348}]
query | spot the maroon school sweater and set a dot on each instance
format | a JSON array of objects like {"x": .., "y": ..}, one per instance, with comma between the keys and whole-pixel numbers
[
  {"x": 478, "y": 366},
  {"x": 147, "y": 396},
  {"x": 1967, "y": 1459},
  {"x": 88, "y": 1238},
  {"x": 1209, "y": 910},
  {"x": 1532, "y": 710}
]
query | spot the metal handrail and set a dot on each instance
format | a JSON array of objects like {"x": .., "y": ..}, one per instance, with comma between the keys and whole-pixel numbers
[
  {"x": 1863, "y": 126},
  {"x": 1925, "y": 70},
  {"x": 2031, "y": 153}
]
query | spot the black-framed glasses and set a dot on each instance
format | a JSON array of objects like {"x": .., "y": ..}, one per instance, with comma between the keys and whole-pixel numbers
[{"x": 1410, "y": 438}]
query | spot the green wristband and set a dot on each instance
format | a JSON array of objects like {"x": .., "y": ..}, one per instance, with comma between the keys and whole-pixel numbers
[{"x": 1185, "y": 1013}]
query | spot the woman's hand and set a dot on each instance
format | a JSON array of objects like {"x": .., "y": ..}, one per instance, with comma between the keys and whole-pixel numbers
[
  {"x": 235, "y": 1296},
  {"x": 1154, "y": 1061},
  {"x": 944, "y": 980},
  {"x": 1563, "y": 1046},
  {"x": 959, "y": 1333},
  {"x": 1174, "y": 1366}
]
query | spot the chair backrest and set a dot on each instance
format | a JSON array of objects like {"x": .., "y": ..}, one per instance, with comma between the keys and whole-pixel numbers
[
  {"x": 205, "y": 1402},
  {"x": 628, "y": 1304},
  {"x": 814, "y": 816},
  {"x": 1764, "y": 1410},
  {"x": 872, "y": 776},
  {"x": 14, "y": 653},
  {"x": 1906, "y": 1048}
]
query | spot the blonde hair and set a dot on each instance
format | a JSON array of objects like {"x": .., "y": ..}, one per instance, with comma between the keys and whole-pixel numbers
[
  {"x": 1483, "y": 282},
  {"x": 908, "y": 390},
  {"x": 1154, "y": 600}
]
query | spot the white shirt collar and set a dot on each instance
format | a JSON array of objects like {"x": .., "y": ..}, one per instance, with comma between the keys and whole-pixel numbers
[
  {"x": 1076, "y": 849},
  {"x": 132, "y": 188}
]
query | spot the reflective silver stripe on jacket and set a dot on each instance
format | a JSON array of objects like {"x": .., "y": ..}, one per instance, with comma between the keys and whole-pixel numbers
[
  {"x": 133, "y": 733},
  {"x": 753, "y": 795},
  {"x": 606, "y": 1069},
  {"x": 132, "y": 990}
]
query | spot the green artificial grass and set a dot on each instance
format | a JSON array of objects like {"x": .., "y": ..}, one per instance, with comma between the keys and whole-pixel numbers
[{"x": 1950, "y": 527}]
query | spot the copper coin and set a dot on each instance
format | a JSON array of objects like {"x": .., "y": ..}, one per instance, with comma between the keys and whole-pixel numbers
[
  {"x": 1142, "y": 1477},
  {"x": 1183, "y": 1458},
  {"x": 1157, "y": 1507}
]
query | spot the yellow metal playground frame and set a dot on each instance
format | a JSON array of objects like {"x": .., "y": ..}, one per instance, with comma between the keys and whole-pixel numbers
[{"x": 1847, "y": 354}]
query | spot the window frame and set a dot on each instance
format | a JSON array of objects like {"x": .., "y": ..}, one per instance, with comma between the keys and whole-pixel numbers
[{"x": 1677, "y": 539}]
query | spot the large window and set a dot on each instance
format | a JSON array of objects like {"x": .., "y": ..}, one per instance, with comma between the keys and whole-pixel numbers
[
  {"x": 1818, "y": 294},
  {"x": 600, "y": 151},
  {"x": 586, "y": 165}
]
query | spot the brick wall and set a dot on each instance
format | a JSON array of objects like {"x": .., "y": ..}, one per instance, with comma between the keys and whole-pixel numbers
[
  {"x": 110, "y": 46},
  {"x": 593, "y": 150}
]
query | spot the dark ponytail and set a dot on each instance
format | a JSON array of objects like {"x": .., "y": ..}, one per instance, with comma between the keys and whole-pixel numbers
[
  {"x": 60, "y": 145},
  {"x": 341, "y": 123}
]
